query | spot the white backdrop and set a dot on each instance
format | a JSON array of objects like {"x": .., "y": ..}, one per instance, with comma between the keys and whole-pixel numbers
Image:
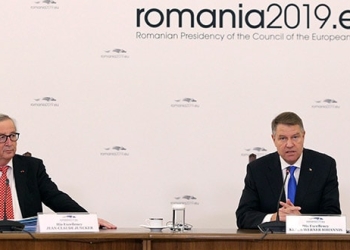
[{"x": 127, "y": 118}]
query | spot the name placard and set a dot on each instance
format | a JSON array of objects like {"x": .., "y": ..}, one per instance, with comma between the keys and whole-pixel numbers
[
  {"x": 316, "y": 224},
  {"x": 67, "y": 222}
]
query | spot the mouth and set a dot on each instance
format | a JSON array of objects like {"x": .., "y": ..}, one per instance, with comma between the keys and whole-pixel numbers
[
  {"x": 8, "y": 151},
  {"x": 290, "y": 152}
]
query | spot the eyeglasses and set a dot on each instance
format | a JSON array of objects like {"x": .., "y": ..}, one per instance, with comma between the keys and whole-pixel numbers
[{"x": 13, "y": 137}]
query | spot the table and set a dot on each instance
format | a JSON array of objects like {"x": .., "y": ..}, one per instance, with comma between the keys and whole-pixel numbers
[{"x": 195, "y": 239}]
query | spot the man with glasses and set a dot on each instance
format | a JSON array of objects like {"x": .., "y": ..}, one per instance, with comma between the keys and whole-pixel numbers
[
  {"x": 313, "y": 187},
  {"x": 28, "y": 182}
]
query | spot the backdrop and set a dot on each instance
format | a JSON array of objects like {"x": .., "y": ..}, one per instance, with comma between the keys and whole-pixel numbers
[{"x": 135, "y": 105}]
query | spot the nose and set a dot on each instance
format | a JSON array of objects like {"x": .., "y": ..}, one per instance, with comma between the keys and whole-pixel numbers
[
  {"x": 290, "y": 143},
  {"x": 8, "y": 141}
]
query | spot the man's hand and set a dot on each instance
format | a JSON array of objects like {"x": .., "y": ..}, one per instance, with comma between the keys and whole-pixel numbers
[
  {"x": 287, "y": 208},
  {"x": 105, "y": 224}
]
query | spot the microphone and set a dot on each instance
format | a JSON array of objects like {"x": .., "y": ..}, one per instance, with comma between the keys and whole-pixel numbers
[
  {"x": 276, "y": 226},
  {"x": 9, "y": 225}
]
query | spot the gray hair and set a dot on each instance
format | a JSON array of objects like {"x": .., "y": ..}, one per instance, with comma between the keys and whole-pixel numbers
[
  {"x": 4, "y": 117},
  {"x": 286, "y": 118}
]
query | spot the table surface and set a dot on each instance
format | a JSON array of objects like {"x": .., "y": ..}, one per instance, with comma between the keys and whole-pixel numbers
[{"x": 208, "y": 234}]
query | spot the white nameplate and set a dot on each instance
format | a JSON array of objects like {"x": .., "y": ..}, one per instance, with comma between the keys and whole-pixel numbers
[
  {"x": 67, "y": 222},
  {"x": 316, "y": 224}
]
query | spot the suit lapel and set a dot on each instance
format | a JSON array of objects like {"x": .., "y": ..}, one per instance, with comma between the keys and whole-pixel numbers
[
  {"x": 20, "y": 175},
  {"x": 305, "y": 178},
  {"x": 275, "y": 176}
]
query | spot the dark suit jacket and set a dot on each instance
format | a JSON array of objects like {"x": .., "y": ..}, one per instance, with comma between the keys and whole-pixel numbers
[
  {"x": 34, "y": 186},
  {"x": 317, "y": 191}
]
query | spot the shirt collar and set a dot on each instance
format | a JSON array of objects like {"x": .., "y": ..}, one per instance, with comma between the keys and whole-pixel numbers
[
  {"x": 284, "y": 164},
  {"x": 10, "y": 164}
]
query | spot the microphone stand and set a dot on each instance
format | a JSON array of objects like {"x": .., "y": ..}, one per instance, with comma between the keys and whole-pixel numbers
[
  {"x": 9, "y": 225},
  {"x": 276, "y": 226}
]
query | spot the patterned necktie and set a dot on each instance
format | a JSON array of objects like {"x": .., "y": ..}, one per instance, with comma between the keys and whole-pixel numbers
[
  {"x": 292, "y": 184},
  {"x": 5, "y": 194}
]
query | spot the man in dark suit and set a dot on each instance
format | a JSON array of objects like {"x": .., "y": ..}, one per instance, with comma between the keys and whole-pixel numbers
[
  {"x": 33, "y": 185},
  {"x": 317, "y": 182}
]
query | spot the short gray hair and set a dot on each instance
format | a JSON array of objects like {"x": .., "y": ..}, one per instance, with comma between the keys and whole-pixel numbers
[
  {"x": 4, "y": 117},
  {"x": 287, "y": 118}
]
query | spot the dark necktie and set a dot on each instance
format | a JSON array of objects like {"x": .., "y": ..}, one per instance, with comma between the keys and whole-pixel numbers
[{"x": 292, "y": 184}]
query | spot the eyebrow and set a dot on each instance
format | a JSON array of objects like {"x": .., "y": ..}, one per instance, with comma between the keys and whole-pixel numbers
[
  {"x": 291, "y": 135},
  {"x": 9, "y": 133}
]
